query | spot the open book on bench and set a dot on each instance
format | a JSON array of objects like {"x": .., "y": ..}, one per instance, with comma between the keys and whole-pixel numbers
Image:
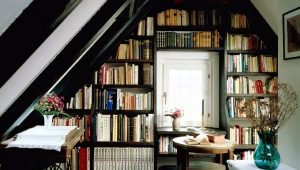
[{"x": 41, "y": 137}]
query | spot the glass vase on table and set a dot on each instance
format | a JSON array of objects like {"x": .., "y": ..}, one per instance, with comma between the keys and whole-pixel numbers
[{"x": 266, "y": 155}]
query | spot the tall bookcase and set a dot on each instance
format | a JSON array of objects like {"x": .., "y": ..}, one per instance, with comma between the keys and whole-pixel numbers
[
  {"x": 250, "y": 66},
  {"x": 119, "y": 106}
]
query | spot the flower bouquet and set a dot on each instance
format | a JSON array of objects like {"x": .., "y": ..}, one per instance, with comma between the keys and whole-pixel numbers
[
  {"x": 175, "y": 113},
  {"x": 50, "y": 104}
]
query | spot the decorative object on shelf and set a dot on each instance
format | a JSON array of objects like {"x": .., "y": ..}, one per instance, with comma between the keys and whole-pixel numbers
[
  {"x": 176, "y": 114},
  {"x": 50, "y": 105},
  {"x": 271, "y": 115}
]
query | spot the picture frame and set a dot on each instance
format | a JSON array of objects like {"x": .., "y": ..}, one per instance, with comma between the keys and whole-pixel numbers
[{"x": 291, "y": 34}]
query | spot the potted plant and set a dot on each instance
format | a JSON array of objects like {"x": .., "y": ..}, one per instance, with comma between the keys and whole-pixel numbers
[{"x": 50, "y": 105}]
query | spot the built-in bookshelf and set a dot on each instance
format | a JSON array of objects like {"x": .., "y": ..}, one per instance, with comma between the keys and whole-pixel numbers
[
  {"x": 117, "y": 107},
  {"x": 251, "y": 67}
]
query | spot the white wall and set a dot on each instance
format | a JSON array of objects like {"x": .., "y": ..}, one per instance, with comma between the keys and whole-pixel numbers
[
  {"x": 268, "y": 9},
  {"x": 289, "y": 138}
]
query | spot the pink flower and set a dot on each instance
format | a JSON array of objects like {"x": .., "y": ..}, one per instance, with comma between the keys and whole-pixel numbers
[
  {"x": 50, "y": 104},
  {"x": 176, "y": 113}
]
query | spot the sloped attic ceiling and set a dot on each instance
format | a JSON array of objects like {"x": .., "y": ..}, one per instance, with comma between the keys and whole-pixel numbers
[
  {"x": 92, "y": 44},
  {"x": 29, "y": 30}
]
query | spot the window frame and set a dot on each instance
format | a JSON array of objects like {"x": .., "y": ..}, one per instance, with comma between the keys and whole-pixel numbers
[{"x": 213, "y": 58}]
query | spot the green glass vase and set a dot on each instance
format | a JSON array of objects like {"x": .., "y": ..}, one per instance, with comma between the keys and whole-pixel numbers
[{"x": 266, "y": 155}]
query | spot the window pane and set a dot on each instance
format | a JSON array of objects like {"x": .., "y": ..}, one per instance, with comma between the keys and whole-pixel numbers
[{"x": 186, "y": 91}]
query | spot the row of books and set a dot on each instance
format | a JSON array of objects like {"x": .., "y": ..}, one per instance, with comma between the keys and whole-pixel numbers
[
  {"x": 135, "y": 49},
  {"x": 243, "y": 135},
  {"x": 234, "y": 105},
  {"x": 146, "y": 27},
  {"x": 188, "y": 39},
  {"x": 79, "y": 121},
  {"x": 238, "y": 20},
  {"x": 245, "y": 85},
  {"x": 119, "y": 74},
  {"x": 80, "y": 158},
  {"x": 251, "y": 63},
  {"x": 166, "y": 144},
  {"x": 244, "y": 42},
  {"x": 124, "y": 74},
  {"x": 122, "y": 128},
  {"x": 82, "y": 99},
  {"x": 180, "y": 17},
  {"x": 125, "y": 158},
  {"x": 121, "y": 99},
  {"x": 244, "y": 155}
]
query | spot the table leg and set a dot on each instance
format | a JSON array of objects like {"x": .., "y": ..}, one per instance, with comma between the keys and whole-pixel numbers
[
  {"x": 182, "y": 159},
  {"x": 219, "y": 158},
  {"x": 231, "y": 150}
]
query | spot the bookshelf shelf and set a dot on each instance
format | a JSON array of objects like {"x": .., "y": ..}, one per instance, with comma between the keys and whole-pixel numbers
[
  {"x": 174, "y": 154},
  {"x": 123, "y": 144},
  {"x": 249, "y": 95},
  {"x": 107, "y": 86},
  {"x": 251, "y": 74},
  {"x": 127, "y": 112},
  {"x": 80, "y": 112},
  {"x": 129, "y": 61},
  {"x": 267, "y": 52},
  {"x": 190, "y": 49},
  {"x": 240, "y": 31},
  {"x": 188, "y": 28}
]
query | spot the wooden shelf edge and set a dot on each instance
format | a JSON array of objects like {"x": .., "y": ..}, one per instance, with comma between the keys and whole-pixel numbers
[{"x": 123, "y": 144}]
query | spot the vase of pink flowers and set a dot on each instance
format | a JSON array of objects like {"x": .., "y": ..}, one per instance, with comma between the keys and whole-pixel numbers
[
  {"x": 176, "y": 114},
  {"x": 50, "y": 105}
]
